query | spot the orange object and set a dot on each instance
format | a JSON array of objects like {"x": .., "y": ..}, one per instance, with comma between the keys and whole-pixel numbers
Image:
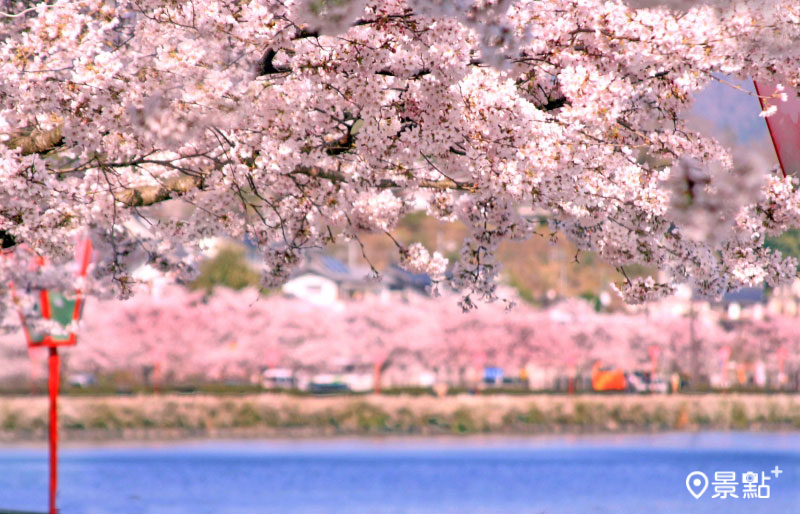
[
  {"x": 741, "y": 374},
  {"x": 607, "y": 379}
]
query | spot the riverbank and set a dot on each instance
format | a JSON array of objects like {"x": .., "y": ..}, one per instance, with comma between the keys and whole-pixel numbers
[{"x": 169, "y": 417}]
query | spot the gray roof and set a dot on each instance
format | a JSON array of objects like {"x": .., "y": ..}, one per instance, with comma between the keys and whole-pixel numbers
[
  {"x": 745, "y": 296},
  {"x": 396, "y": 278},
  {"x": 333, "y": 269}
]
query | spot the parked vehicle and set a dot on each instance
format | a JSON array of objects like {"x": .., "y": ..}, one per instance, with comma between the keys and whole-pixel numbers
[
  {"x": 82, "y": 380},
  {"x": 329, "y": 388},
  {"x": 638, "y": 382},
  {"x": 607, "y": 378},
  {"x": 659, "y": 385},
  {"x": 278, "y": 378}
]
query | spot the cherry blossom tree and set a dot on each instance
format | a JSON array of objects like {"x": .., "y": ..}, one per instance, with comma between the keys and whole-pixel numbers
[
  {"x": 186, "y": 337},
  {"x": 301, "y": 123}
]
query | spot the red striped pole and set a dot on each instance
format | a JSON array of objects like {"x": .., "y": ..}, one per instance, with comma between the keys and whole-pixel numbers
[
  {"x": 53, "y": 384},
  {"x": 783, "y": 125}
]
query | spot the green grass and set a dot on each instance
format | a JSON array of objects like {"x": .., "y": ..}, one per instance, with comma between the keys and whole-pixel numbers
[{"x": 362, "y": 415}]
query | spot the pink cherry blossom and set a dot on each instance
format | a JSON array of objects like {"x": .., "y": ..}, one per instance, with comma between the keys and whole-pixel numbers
[{"x": 302, "y": 123}]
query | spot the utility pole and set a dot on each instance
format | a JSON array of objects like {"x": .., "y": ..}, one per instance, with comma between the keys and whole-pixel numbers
[{"x": 694, "y": 345}]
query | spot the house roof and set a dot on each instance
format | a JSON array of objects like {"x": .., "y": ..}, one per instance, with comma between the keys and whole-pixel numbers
[
  {"x": 334, "y": 265},
  {"x": 396, "y": 278},
  {"x": 745, "y": 296},
  {"x": 332, "y": 269}
]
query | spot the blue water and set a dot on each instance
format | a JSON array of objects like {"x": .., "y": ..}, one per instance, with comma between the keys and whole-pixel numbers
[{"x": 581, "y": 475}]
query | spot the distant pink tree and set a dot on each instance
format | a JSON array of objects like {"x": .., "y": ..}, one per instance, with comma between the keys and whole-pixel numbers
[{"x": 186, "y": 336}]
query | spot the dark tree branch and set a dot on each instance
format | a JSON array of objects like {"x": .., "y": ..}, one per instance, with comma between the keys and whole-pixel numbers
[
  {"x": 554, "y": 104},
  {"x": 7, "y": 240},
  {"x": 266, "y": 67}
]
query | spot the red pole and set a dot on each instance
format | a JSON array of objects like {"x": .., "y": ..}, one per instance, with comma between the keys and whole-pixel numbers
[
  {"x": 33, "y": 371},
  {"x": 770, "y": 124},
  {"x": 377, "y": 377},
  {"x": 53, "y": 384}
]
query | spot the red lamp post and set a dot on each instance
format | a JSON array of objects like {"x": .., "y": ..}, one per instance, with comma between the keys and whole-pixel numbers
[{"x": 55, "y": 306}]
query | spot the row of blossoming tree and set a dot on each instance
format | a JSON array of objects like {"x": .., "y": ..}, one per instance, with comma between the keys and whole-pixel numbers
[{"x": 231, "y": 335}]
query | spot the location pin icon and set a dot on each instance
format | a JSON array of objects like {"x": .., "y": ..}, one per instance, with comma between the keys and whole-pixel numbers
[{"x": 697, "y": 483}]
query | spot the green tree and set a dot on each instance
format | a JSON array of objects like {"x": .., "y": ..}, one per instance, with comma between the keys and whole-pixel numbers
[
  {"x": 229, "y": 268},
  {"x": 787, "y": 243}
]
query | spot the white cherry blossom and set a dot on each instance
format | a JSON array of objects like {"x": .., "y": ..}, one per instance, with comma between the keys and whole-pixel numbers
[{"x": 302, "y": 123}]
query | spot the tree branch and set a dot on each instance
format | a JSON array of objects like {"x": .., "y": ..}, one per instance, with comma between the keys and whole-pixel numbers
[
  {"x": 143, "y": 196},
  {"x": 554, "y": 104},
  {"x": 265, "y": 66},
  {"x": 37, "y": 141},
  {"x": 333, "y": 176}
]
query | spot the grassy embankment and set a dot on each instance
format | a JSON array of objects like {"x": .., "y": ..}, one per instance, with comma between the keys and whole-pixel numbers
[{"x": 279, "y": 415}]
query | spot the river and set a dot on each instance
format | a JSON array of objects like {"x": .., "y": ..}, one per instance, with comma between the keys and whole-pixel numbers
[{"x": 543, "y": 475}]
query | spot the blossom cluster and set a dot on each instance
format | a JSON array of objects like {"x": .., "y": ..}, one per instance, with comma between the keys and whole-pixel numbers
[{"x": 301, "y": 123}]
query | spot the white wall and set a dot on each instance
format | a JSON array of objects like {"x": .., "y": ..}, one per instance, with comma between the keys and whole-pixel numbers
[{"x": 312, "y": 288}]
